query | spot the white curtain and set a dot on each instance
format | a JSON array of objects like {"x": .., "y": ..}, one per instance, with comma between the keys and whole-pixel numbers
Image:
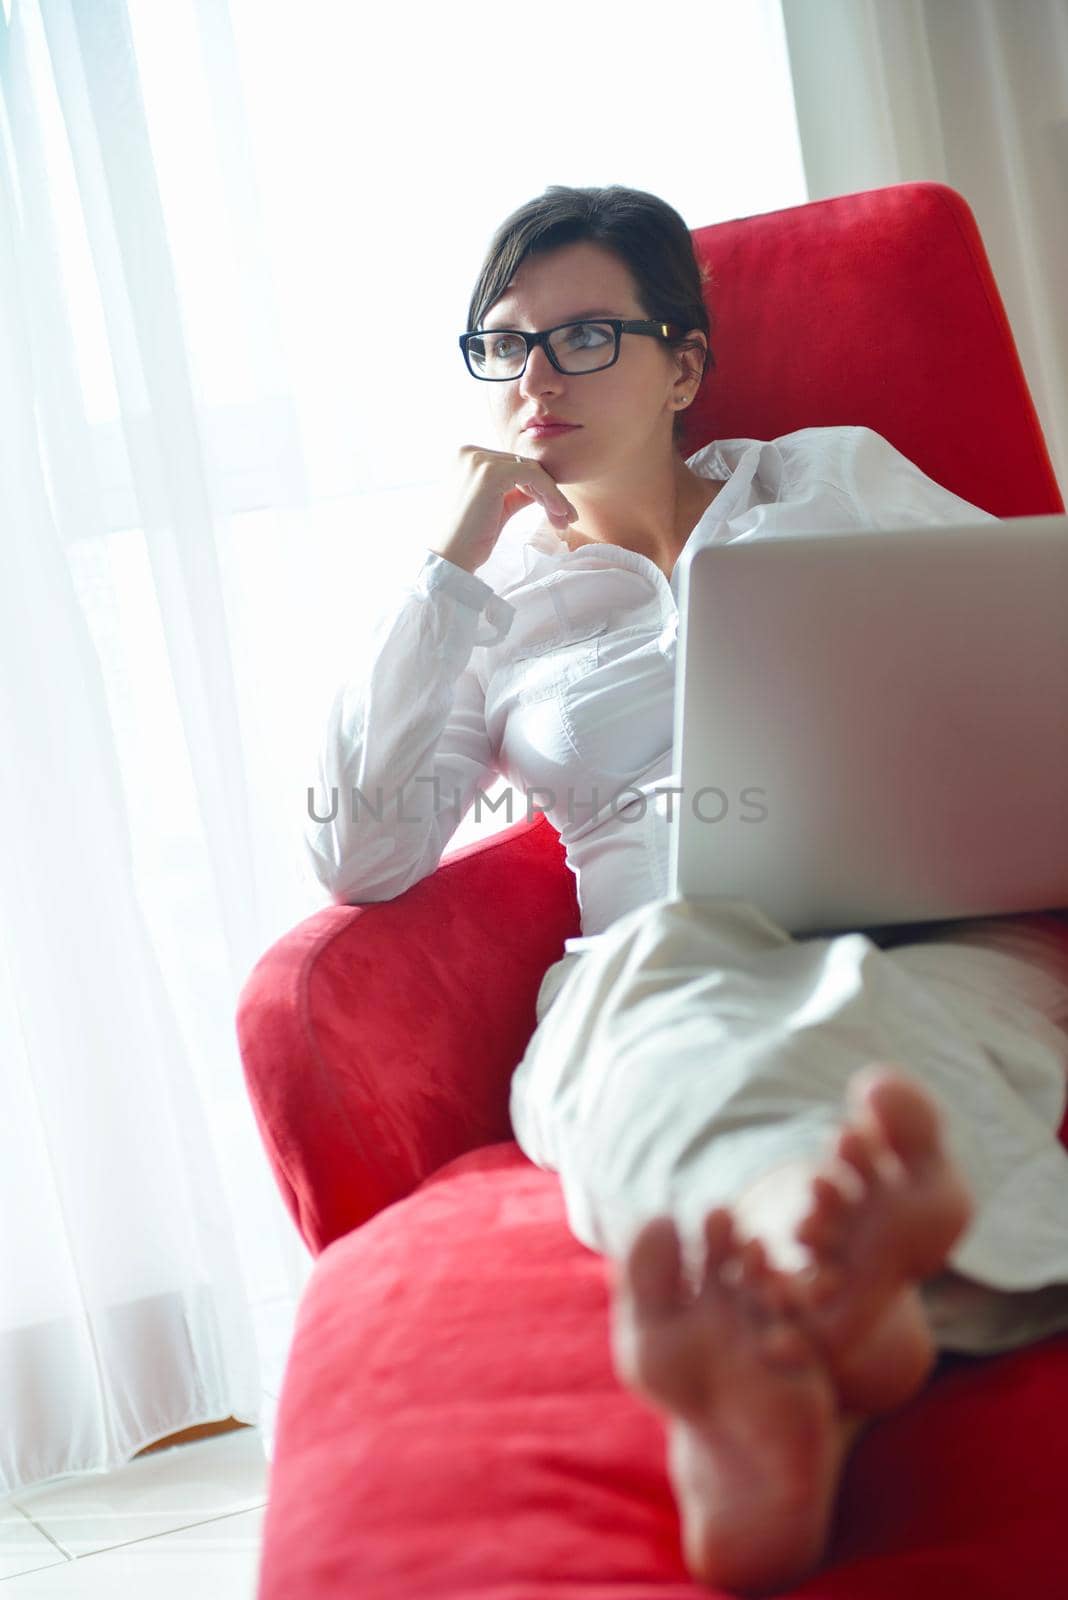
[
  {"x": 972, "y": 93},
  {"x": 237, "y": 242}
]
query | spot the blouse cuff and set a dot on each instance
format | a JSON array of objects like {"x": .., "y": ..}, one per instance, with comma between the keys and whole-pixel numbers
[{"x": 439, "y": 573}]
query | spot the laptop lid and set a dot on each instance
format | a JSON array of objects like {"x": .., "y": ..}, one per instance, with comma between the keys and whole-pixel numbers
[{"x": 872, "y": 728}]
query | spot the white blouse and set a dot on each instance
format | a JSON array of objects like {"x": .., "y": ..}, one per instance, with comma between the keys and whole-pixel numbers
[{"x": 556, "y": 667}]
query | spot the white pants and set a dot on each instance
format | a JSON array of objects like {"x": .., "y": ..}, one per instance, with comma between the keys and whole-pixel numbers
[{"x": 690, "y": 1049}]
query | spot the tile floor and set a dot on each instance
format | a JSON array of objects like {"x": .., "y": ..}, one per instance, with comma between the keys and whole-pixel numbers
[{"x": 181, "y": 1521}]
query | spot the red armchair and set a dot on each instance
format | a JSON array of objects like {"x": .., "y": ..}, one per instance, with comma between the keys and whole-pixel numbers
[{"x": 450, "y": 1422}]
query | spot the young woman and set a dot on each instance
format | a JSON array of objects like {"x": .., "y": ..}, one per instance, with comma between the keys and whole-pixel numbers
[{"x": 814, "y": 1162}]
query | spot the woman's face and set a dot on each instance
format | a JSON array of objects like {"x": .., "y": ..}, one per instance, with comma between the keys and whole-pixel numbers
[{"x": 624, "y": 412}]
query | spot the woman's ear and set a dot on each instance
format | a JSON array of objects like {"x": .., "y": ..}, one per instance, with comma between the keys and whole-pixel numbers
[{"x": 692, "y": 360}]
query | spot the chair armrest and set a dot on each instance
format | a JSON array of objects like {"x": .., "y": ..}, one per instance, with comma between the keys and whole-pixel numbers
[{"x": 378, "y": 1041}]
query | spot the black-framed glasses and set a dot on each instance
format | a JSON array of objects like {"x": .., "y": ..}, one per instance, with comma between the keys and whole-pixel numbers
[{"x": 499, "y": 355}]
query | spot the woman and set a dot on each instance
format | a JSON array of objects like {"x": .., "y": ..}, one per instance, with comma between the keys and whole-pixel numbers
[{"x": 813, "y": 1162}]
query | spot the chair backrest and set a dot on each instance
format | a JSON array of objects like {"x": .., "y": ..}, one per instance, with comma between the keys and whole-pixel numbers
[{"x": 879, "y": 309}]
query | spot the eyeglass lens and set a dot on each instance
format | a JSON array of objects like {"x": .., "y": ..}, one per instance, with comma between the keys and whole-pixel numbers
[{"x": 579, "y": 347}]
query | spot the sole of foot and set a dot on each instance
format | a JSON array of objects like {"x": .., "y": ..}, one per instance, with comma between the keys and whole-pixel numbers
[
  {"x": 755, "y": 1442},
  {"x": 888, "y": 1204}
]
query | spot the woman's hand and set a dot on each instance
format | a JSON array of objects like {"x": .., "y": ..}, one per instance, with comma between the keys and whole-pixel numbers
[{"x": 491, "y": 486}]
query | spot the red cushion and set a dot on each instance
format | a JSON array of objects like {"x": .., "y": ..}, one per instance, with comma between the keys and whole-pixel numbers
[{"x": 450, "y": 1424}]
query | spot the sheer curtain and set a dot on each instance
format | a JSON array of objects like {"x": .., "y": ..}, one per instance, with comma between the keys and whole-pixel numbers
[
  {"x": 973, "y": 93},
  {"x": 236, "y": 246}
]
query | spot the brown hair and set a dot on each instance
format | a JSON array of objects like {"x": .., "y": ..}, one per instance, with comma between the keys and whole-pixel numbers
[{"x": 646, "y": 233}]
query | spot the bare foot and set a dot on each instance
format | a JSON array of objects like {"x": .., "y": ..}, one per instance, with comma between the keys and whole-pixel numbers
[
  {"x": 756, "y": 1443},
  {"x": 886, "y": 1208}
]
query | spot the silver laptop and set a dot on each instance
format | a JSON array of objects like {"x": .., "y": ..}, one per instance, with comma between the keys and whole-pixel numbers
[{"x": 871, "y": 728}]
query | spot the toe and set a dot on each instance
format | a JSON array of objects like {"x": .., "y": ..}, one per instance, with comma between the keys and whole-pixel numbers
[
  {"x": 819, "y": 1232},
  {"x": 719, "y": 1233},
  {"x": 830, "y": 1201},
  {"x": 754, "y": 1261},
  {"x": 903, "y": 1112},
  {"x": 652, "y": 1272},
  {"x": 823, "y": 1226},
  {"x": 753, "y": 1274},
  {"x": 855, "y": 1149},
  {"x": 720, "y": 1243},
  {"x": 779, "y": 1288}
]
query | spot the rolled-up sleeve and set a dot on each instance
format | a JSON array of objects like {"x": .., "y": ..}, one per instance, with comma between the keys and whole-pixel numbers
[{"x": 405, "y": 745}]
